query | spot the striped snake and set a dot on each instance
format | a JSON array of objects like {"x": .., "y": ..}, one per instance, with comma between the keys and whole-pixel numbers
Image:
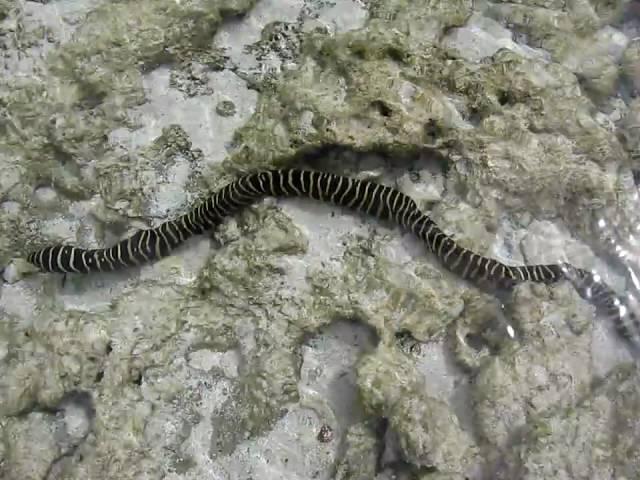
[{"x": 365, "y": 196}]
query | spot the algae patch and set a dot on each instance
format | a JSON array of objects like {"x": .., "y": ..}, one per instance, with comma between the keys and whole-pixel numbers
[
  {"x": 374, "y": 88},
  {"x": 58, "y": 127},
  {"x": 515, "y": 133},
  {"x": 428, "y": 431}
]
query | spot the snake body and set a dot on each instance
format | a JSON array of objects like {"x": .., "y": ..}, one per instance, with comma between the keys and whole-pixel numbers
[{"x": 364, "y": 196}]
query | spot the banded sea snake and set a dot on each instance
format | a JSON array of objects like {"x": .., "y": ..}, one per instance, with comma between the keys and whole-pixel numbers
[{"x": 372, "y": 198}]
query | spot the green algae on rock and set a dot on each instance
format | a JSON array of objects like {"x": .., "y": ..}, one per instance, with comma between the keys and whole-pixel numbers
[
  {"x": 516, "y": 132},
  {"x": 137, "y": 184},
  {"x": 428, "y": 431},
  {"x": 49, "y": 358},
  {"x": 574, "y": 35},
  {"x": 35, "y": 431},
  {"x": 191, "y": 80},
  {"x": 589, "y": 440},
  {"x": 384, "y": 295},
  {"x": 162, "y": 30},
  {"x": 248, "y": 269},
  {"x": 423, "y": 19},
  {"x": 267, "y": 386},
  {"x": 59, "y": 125},
  {"x": 630, "y": 65},
  {"x": 250, "y": 265},
  {"x": 243, "y": 281},
  {"x": 372, "y": 89},
  {"x": 479, "y": 332},
  {"x": 127, "y": 37},
  {"x": 359, "y": 461},
  {"x": 346, "y": 90},
  {"x": 5, "y": 8},
  {"x": 553, "y": 355},
  {"x": 630, "y": 131}
]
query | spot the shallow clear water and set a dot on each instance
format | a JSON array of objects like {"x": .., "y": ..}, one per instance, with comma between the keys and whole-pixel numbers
[{"x": 300, "y": 339}]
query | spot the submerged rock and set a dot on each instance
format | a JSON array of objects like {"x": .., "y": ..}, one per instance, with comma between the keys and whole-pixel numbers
[
  {"x": 428, "y": 432},
  {"x": 590, "y": 439},
  {"x": 497, "y": 120}
]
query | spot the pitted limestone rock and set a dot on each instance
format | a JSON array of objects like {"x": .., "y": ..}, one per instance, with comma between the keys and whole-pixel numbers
[
  {"x": 549, "y": 366},
  {"x": 631, "y": 63},
  {"x": 389, "y": 84},
  {"x": 386, "y": 295},
  {"x": 34, "y": 433},
  {"x": 428, "y": 431},
  {"x": 479, "y": 332},
  {"x": 51, "y": 358},
  {"x": 588, "y": 440},
  {"x": 373, "y": 87},
  {"x": 361, "y": 454}
]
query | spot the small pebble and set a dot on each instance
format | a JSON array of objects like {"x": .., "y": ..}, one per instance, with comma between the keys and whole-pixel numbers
[
  {"x": 325, "y": 434},
  {"x": 226, "y": 108}
]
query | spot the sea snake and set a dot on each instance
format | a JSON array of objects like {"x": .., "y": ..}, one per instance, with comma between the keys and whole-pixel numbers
[{"x": 372, "y": 198}]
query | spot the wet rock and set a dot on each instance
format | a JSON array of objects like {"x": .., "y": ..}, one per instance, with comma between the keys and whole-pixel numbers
[
  {"x": 572, "y": 442},
  {"x": 481, "y": 37},
  {"x": 428, "y": 431},
  {"x": 197, "y": 363},
  {"x": 361, "y": 454},
  {"x": 631, "y": 63},
  {"x": 30, "y": 446},
  {"x": 549, "y": 367}
]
